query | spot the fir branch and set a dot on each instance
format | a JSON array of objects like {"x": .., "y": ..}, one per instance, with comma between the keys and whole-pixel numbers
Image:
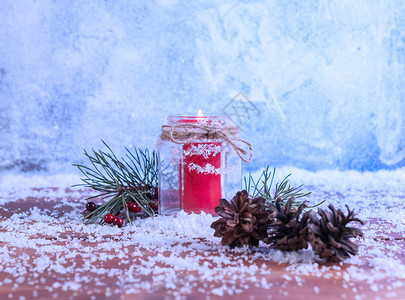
[
  {"x": 133, "y": 178},
  {"x": 262, "y": 187}
]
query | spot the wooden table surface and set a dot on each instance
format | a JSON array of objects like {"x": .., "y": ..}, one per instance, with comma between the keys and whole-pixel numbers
[{"x": 36, "y": 239}]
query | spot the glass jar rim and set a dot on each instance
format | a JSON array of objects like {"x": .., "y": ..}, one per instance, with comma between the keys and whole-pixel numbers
[
  {"x": 219, "y": 119},
  {"x": 194, "y": 115}
]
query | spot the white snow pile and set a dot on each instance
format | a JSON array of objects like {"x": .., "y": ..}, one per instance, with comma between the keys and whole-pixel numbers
[{"x": 150, "y": 255}]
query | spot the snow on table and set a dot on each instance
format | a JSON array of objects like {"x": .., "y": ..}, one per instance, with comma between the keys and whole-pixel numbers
[{"x": 46, "y": 252}]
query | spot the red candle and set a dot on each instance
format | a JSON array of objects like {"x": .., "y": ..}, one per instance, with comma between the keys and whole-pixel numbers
[{"x": 200, "y": 172}]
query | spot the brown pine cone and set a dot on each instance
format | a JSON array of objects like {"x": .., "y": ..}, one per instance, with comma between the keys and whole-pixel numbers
[
  {"x": 243, "y": 221},
  {"x": 329, "y": 235},
  {"x": 288, "y": 232}
]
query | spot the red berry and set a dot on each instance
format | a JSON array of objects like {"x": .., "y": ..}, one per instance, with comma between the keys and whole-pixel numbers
[
  {"x": 118, "y": 221},
  {"x": 129, "y": 205},
  {"x": 109, "y": 218},
  {"x": 135, "y": 208},
  {"x": 153, "y": 205},
  {"x": 87, "y": 214},
  {"x": 91, "y": 206}
]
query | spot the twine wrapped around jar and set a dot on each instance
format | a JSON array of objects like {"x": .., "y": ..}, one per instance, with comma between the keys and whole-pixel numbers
[{"x": 184, "y": 133}]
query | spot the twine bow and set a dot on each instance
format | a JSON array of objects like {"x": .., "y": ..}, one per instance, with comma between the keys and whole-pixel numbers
[{"x": 184, "y": 133}]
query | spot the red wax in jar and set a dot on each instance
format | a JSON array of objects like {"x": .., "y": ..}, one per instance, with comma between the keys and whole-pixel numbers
[
  {"x": 202, "y": 190},
  {"x": 201, "y": 182}
]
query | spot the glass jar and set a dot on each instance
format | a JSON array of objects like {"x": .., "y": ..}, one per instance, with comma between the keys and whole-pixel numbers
[{"x": 196, "y": 169}]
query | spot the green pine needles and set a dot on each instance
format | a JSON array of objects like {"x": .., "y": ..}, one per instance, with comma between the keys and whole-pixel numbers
[
  {"x": 262, "y": 187},
  {"x": 133, "y": 178}
]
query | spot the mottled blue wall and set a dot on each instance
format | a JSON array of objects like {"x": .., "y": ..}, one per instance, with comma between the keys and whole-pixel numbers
[{"x": 325, "y": 78}]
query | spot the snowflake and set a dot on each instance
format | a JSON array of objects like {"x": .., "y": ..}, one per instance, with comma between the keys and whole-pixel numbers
[
  {"x": 206, "y": 150},
  {"x": 209, "y": 169}
]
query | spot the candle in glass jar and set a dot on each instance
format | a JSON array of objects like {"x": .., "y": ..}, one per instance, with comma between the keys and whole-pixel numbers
[{"x": 199, "y": 163}]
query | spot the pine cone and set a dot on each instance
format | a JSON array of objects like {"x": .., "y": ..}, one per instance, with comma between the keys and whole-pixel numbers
[
  {"x": 329, "y": 235},
  {"x": 243, "y": 221},
  {"x": 288, "y": 232}
]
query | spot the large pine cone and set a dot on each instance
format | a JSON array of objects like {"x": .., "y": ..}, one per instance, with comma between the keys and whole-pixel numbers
[
  {"x": 243, "y": 221},
  {"x": 329, "y": 235},
  {"x": 288, "y": 232}
]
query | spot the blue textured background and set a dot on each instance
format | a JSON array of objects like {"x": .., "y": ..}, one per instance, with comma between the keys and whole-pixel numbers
[{"x": 326, "y": 77}]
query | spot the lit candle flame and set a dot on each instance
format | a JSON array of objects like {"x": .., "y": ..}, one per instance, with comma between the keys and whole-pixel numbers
[{"x": 200, "y": 114}]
